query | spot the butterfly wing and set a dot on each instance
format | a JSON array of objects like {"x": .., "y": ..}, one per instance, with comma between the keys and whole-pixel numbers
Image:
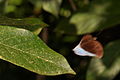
[
  {"x": 94, "y": 47},
  {"x": 88, "y": 46},
  {"x": 80, "y": 51}
]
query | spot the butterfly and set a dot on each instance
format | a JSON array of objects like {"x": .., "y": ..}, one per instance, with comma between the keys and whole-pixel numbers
[{"x": 89, "y": 46}]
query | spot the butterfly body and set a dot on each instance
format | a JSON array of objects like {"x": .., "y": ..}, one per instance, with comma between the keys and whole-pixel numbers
[{"x": 89, "y": 46}]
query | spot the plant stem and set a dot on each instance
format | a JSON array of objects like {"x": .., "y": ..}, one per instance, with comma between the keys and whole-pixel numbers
[
  {"x": 72, "y": 5},
  {"x": 45, "y": 35}
]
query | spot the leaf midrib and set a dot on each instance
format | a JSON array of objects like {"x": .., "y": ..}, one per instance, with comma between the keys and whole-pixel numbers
[{"x": 32, "y": 55}]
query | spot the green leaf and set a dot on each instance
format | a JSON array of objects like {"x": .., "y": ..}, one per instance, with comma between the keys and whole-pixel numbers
[
  {"x": 99, "y": 15},
  {"x": 23, "y": 48},
  {"x": 102, "y": 14},
  {"x": 51, "y": 6},
  {"x": 33, "y": 24},
  {"x": 11, "y": 5},
  {"x": 65, "y": 12},
  {"x": 14, "y": 2},
  {"x": 109, "y": 66},
  {"x": 86, "y": 22},
  {"x": 9, "y": 8}
]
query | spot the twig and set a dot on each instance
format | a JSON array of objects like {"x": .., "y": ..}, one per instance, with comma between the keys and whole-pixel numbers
[
  {"x": 72, "y": 5},
  {"x": 45, "y": 35}
]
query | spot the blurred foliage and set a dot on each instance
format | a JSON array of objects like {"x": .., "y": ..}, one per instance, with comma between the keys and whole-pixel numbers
[
  {"x": 51, "y": 6},
  {"x": 68, "y": 21},
  {"x": 99, "y": 15},
  {"x": 33, "y": 24}
]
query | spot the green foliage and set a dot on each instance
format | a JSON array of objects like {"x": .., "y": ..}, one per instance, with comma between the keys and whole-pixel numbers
[
  {"x": 25, "y": 49},
  {"x": 100, "y": 15},
  {"x": 33, "y": 24},
  {"x": 109, "y": 66},
  {"x": 11, "y": 5},
  {"x": 68, "y": 20},
  {"x": 51, "y": 6}
]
